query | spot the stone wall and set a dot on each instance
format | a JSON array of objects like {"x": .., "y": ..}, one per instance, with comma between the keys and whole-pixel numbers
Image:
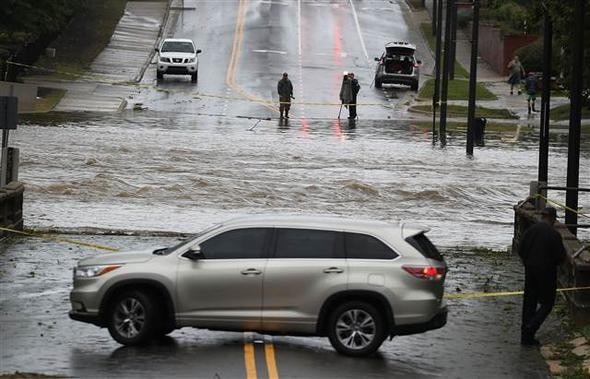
[{"x": 11, "y": 206}]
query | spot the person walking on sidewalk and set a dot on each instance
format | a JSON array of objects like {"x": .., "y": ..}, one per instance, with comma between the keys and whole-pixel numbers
[
  {"x": 541, "y": 251},
  {"x": 285, "y": 90},
  {"x": 516, "y": 74},
  {"x": 530, "y": 86}
]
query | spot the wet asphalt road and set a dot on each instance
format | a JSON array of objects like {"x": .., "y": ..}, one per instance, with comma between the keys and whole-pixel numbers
[{"x": 480, "y": 340}]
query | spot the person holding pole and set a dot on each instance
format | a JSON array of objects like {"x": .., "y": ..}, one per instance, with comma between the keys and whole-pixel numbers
[{"x": 285, "y": 90}]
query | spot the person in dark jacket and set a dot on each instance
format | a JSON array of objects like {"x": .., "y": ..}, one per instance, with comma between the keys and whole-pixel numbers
[
  {"x": 541, "y": 250},
  {"x": 355, "y": 87},
  {"x": 530, "y": 86},
  {"x": 285, "y": 90}
]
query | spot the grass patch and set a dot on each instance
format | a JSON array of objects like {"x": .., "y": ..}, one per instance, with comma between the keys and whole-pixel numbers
[
  {"x": 426, "y": 28},
  {"x": 49, "y": 97},
  {"x": 562, "y": 112},
  {"x": 86, "y": 35},
  {"x": 461, "y": 111},
  {"x": 458, "y": 90}
]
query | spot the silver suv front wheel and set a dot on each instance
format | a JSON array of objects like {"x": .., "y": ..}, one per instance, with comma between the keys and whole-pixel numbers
[
  {"x": 132, "y": 318},
  {"x": 356, "y": 329}
]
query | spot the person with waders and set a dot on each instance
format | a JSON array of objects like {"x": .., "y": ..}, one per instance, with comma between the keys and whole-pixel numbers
[
  {"x": 541, "y": 250},
  {"x": 348, "y": 94},
  {"x": 285, "y": 90}
]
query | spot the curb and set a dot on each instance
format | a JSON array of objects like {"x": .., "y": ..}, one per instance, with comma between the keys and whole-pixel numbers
[{"x": 147, "y": 62}]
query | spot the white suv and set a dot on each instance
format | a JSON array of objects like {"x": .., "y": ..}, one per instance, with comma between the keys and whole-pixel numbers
[
  {"x": 178, "y": 57},
  {"x": 356, "y": 282}
]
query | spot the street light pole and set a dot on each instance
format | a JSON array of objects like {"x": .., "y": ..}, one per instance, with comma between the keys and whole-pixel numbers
[
  {"x": 435, "y": 21},
  {"x": 573, "y": 147},
  {"x": 545, "y": 99},
  {"x": 453, "y": 41},
  {"x": 445, "y": 76},
  {"x": 472, "y": 78},
  {"x": 437, "y": 62}
]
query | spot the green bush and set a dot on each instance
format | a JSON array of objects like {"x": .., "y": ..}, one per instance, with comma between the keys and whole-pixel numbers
[{"x": 531, "y": 56}]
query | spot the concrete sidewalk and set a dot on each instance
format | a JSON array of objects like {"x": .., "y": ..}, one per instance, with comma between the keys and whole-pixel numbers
[{"x": 124, "y": 60}]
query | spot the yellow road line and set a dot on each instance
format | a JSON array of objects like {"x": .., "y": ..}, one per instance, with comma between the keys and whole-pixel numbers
[
  {"x": 249, "y": 360},
  {"x": 271, "y": 363}
]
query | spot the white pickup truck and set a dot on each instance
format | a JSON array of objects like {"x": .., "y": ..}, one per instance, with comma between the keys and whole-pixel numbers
[{"x": 177, "y": 56}]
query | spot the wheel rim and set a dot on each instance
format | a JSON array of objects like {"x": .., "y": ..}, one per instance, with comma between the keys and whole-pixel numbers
[
  {"x": 129, "y": 317},
  {"x": 355, "y": 329}
]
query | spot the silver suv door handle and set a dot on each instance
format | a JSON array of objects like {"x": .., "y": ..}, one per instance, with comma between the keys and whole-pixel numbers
[
  {"x": 333, "y": 270},
  {"x": 251, "y": 271}
]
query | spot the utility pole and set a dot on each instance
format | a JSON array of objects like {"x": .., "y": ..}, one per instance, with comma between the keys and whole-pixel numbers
[
  {"x": 472, "y": 78},
  {"x": 453, "y": 41},
  {"x": 435, "y": 21},
  {"x": 437, "y": 62},
  {"x": 573, "y": 147},
  {"x": 445, "y": 76},
  {"x": 545, "y": 98}
]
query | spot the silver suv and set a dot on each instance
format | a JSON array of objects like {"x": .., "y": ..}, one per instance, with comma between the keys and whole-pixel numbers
[{"x": 357, "y": 282}]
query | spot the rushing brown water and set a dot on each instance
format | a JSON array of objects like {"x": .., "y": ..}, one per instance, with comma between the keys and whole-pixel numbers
[{"x": 159, "y": 171}]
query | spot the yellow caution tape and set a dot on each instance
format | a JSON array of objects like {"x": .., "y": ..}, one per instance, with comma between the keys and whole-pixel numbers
[
  {"x": 60, "y": 239},
  {"x": 196, "y": 94},
  {"x": 562, "y": 205},
  {"x": 478, "y": 295}
]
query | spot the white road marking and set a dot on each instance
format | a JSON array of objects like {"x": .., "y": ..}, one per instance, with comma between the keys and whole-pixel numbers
[
  {"x": 299, "y": 26},
  {"x": 358, "y": 29},
  {"x": 270, "y": 51}
]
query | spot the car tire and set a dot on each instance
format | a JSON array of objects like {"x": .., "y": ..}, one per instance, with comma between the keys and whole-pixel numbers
[
  {"x": 194, "y": 77},
  {"x": 356, "y": 329},
  {"x": 378, "y": 83},
  {"x": 414, "y": 86},
  {"x": 132, "y": 318},
  {"x": 159, "y": 75}
]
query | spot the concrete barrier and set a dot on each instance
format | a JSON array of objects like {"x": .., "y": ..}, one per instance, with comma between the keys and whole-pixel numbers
[
  {"x": 574, "y": 272},
  {"x": 26, "y": 94},
  {"x": 11, "y": 206}
]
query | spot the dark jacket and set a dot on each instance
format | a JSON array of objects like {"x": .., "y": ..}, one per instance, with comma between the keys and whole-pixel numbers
[
  {"x": 530, "y": 84},
  {"x": 355, "y": 87},
  {"x": 285, "y": 88},
  {"x": 541, "y": 247}
]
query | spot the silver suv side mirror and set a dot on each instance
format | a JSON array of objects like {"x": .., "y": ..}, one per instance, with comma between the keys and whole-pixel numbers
[{"x": 194, "y": 254}]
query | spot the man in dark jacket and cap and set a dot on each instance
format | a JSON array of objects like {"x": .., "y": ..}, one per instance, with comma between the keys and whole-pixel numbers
[
  {"x": 285, "y": 90},
  {"x": 542, "y": 251}
]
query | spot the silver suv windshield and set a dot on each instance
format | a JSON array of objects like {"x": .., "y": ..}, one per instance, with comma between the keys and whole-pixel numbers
[
  {"x": 188, "y": 241},
  {"x": 177, "y": 47}
]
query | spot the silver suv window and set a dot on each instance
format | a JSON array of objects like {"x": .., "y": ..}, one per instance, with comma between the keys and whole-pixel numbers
[
  {"x": 308, "y": 243},
  {"x": 362, "y": 246},
  {"x": 246, "y": 243}
]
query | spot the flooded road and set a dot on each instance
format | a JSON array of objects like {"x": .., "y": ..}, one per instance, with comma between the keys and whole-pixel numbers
[{"x": 179, "y": 172}]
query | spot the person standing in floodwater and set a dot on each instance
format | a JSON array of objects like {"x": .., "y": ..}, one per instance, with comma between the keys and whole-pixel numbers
[
  {"x": 348, "y": 94},
  {"x": 285, "y": 90},
  {"x": 541, "y": 250}
]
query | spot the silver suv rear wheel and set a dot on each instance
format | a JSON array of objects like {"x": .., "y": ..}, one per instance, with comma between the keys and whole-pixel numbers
[{"x": 356, "y": 329}]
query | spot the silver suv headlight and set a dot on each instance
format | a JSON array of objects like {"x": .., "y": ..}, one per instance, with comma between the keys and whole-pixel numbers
[
  {"x": 165, "y": 60},
  {"x": 93, "y": 271},
  {"x": 191, "y": 60}
]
